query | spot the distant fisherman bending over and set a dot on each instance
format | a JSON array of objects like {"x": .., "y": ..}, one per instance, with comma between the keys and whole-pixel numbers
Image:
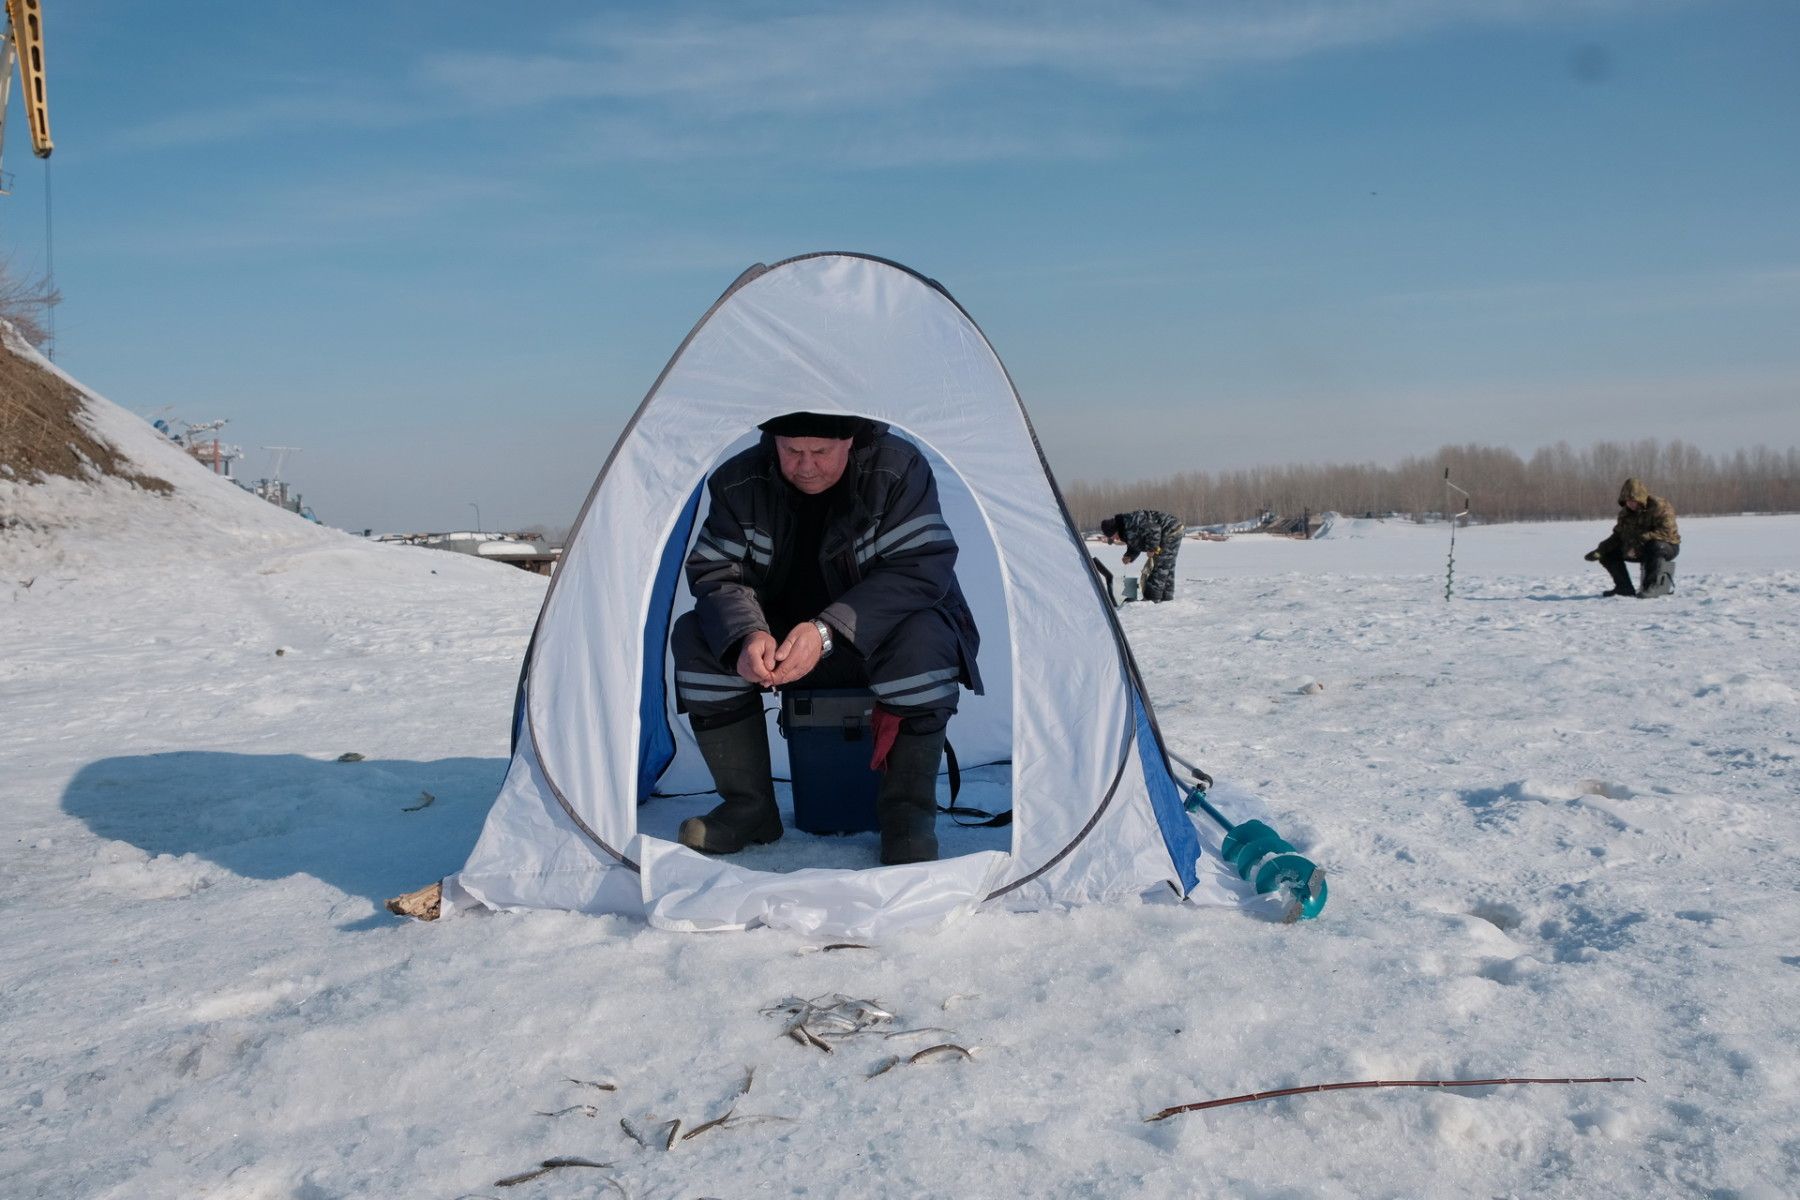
[
  {"x": 1157, "y": 534},
  {"x": 1645, "y": 533},
  {"x": 827, "y": 534}
]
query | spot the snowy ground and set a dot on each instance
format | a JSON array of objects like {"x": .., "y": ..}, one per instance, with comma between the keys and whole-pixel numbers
[{"x": 1560, "y": 832}]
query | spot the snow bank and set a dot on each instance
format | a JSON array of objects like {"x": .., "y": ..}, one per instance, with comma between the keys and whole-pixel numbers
[{"x": 1561, "y": 833}]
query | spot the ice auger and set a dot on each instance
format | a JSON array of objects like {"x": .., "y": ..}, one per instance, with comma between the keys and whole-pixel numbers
[{"x": 1261, "y": 855}]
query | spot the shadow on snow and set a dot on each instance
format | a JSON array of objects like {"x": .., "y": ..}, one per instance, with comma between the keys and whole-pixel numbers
[{"x": 347, "y": 825}]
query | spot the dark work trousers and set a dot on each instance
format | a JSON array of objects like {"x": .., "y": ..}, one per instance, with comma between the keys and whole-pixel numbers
[
  {"x": 1652, "y": 553},
  {"x": 916, "y": 674},
  {"x": 1158, "y": 576}
]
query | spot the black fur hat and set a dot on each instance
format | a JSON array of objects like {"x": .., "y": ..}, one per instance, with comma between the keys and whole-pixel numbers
[{"x": 814, "y": 425}]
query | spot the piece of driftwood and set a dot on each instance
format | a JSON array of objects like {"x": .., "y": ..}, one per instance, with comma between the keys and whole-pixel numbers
[
  {"x": 1178, "y": 1109},
  {"x": 422, "y": 905}
]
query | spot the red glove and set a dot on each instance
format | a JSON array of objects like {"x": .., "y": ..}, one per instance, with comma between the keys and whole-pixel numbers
[{"x": 887, "y": 728}]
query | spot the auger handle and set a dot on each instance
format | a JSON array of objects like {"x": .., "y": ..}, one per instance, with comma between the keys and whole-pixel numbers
[
  {"x": 1198, "y": 794},
  {"x": 1262, "y": 856}
]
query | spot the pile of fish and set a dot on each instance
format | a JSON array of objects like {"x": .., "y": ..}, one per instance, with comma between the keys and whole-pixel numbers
[{"x": 820, "y": 1021}]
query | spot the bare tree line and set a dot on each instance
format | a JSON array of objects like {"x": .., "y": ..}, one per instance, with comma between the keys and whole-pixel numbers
[{"x": 1555, "y": 483}]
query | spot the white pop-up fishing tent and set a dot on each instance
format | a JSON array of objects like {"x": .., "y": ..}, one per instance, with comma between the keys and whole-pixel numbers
[{"x": 1097, "y": 814}]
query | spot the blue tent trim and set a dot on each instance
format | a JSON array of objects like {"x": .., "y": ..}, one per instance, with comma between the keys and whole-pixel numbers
[
  {"x": 656, "y": 746},
  {"x": 518, "y": 717},
  {"x": 1165, "y": 798}
]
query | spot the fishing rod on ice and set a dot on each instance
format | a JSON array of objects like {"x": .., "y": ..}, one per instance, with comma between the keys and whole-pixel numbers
[{"x": 1260, "y": 855}]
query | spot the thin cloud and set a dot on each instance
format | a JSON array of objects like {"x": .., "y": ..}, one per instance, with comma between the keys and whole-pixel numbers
[
  {"x": 1557, "y": 298},
  {"x": 713, "y": 64},
  {"x": 267, "y": 116},
  {"x": 339, "y": 213},
  {"x": 902, "y": 141},
  {"x": 723, "y": 59}
]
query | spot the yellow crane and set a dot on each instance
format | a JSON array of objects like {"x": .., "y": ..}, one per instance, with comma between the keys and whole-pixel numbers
[{"x": 23, "y": 42}]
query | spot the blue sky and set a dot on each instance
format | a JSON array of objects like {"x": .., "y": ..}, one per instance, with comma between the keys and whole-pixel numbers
[{"x": 446, "y": 254}]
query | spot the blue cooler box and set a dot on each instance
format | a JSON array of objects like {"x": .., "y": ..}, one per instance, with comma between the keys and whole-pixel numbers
[{"x": 829, "y": 741}]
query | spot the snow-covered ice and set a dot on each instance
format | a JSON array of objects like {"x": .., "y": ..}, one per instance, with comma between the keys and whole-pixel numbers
[{"x": 1560, "y": 832}]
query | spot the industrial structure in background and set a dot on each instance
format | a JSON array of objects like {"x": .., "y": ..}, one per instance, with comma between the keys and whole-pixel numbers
[
  {"x": 202, "y": 441},
  {"x": 274, "y": 489},
  {"x": 205, "y": 443},
  {"x": 527, "y": 551}
]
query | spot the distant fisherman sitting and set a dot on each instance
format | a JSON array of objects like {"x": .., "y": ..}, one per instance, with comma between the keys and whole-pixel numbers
[
  {"x": 1645, "y": 533},
  {"x": 828, "y": 534},
  {"x": 1157, "y": 534}
]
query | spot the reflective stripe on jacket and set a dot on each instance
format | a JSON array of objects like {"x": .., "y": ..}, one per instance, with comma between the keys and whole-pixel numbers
[{"x": 885, "y": 556}]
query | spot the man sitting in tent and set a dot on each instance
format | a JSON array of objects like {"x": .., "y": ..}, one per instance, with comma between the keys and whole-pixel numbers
[
  {"x": 824, "y": 562},
  {"x": 1157, "y": 534},
  {"x": 1645, "y": 532}
]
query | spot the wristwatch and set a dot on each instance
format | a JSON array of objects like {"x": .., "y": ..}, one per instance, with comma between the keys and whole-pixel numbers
[{"x": 824, "y": 637}]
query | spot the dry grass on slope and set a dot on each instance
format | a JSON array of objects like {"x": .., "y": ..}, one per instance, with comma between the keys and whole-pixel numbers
[{"x": 42, "y": 434}]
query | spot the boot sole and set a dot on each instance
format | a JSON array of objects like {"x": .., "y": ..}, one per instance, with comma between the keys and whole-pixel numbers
[
  {"x": 693, "y": 834},
  {"x": 902, "y": 856}
]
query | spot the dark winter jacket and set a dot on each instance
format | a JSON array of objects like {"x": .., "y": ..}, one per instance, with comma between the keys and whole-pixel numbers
[
  {"x": 1148, "y": 531},
  {"x": 1654, "y": 521},
  {"x": 886, "y": 553}
]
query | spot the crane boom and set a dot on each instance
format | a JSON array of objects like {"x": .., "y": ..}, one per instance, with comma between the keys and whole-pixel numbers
[{"x": 27, "y": 37}]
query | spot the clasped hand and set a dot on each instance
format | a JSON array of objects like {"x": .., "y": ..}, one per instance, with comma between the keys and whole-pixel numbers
[{"x": 767, "y": 664}]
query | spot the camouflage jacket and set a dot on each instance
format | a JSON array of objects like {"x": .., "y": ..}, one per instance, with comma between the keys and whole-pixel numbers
[
  {"x": 1653, "y": 521},
  {"x": 1148, "y": 531}
]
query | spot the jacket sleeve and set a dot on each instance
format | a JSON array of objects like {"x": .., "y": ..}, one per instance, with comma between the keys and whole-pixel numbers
[
  {"x": 1662, "y": 521},
  {"x": 1620, "y": 541},
  {"x": 1139, "y": 534},
  {"x": 1148, "y": 531},
  {"x": 910, "y": 565},
  {"x": 719, "y": 572}
]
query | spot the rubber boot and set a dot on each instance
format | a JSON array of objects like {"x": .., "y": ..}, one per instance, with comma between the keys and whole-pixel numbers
[
  {"x": 1621, "y": 577},
  {"x": 738, "y": 757},
  {"x": 907, "y": 802}
]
